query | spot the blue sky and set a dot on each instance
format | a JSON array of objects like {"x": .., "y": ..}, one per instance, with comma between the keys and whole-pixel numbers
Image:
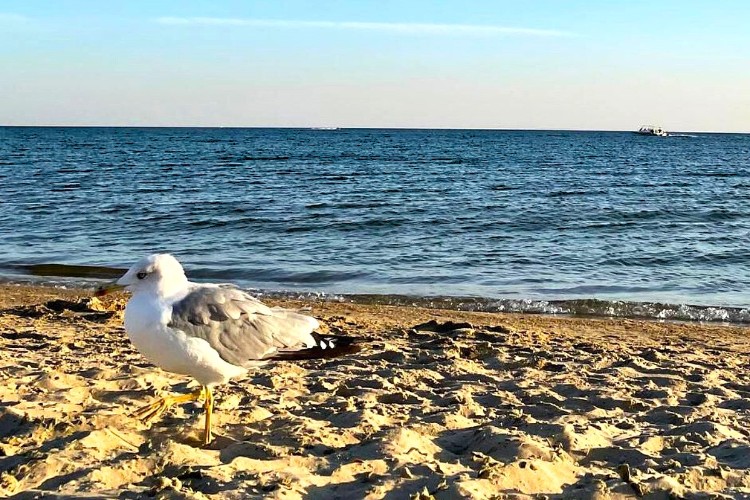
[{"x": 572, "y": 64}]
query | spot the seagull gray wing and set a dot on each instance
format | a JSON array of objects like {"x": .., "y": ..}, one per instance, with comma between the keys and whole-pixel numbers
[{"x": 239, "y": 327}]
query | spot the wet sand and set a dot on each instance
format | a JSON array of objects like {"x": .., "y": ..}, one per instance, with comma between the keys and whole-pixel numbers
[{"x": 439, "y": 404}]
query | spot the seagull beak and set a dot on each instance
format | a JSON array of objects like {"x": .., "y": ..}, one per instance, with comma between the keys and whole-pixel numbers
[{"x": 110, "y": 287}]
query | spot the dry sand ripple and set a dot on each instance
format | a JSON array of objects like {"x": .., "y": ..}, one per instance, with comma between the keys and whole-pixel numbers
[{"x": 468, "y": 406}]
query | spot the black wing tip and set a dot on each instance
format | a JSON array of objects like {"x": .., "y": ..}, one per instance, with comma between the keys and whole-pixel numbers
[{"x": 328, "y": 346}]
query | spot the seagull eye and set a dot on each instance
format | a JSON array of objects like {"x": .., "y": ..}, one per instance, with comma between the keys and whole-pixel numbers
[{"x": 140, "y": 276}]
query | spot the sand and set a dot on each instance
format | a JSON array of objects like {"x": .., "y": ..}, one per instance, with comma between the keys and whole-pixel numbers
[{"x": 440, "y": 404}]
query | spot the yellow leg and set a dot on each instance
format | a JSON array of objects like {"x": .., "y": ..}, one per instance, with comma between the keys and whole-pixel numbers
[
  {"x": 209, "y": 406},
  {"x": 152, "y": 411}
]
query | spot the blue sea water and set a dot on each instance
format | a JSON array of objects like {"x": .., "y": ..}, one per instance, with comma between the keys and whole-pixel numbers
[{"x": 507, "y": 220}]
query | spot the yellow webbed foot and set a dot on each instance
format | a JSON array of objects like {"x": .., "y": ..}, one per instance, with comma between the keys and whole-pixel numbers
[{"x": 152, "y": 411}]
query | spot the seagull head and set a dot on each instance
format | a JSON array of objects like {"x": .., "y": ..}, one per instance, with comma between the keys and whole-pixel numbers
[{"x": 159, "y": 273}]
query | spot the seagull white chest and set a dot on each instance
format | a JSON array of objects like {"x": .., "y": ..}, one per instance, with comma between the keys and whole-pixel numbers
[
  {"x": 146, "y": 327},
  {"x": 146, "y": 320}
]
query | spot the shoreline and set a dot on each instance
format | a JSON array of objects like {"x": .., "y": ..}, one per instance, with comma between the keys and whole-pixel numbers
[
  {"x": 564, "y": 308},
  {"x": 400, "y": 315},
  {"x": 474, "y": 405}
]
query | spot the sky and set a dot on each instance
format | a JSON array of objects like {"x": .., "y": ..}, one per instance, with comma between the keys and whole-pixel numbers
[{"x": 495, "y": 64}]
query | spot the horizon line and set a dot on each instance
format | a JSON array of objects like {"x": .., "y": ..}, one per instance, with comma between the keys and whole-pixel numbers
[{"x": 336, "y": 128}]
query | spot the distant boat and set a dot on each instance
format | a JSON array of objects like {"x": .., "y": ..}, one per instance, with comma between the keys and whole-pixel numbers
[
  {"x": 324, "y": 128},
  {"x": 652, "y": 130}
]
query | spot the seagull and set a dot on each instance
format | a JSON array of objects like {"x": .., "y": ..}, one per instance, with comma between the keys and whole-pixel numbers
[{"x": 210, "y": 332}]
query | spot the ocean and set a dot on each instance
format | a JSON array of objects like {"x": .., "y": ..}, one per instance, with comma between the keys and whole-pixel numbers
[{"x": 602, "y": 223}]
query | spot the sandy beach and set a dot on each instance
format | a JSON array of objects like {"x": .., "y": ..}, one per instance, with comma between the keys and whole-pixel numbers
[{"x": 439, "y": 404}]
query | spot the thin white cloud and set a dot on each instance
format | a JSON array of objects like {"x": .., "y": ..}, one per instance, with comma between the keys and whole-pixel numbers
[
  {"x": 401, "y": 28},
  {"x": 10, "y": 18}
]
